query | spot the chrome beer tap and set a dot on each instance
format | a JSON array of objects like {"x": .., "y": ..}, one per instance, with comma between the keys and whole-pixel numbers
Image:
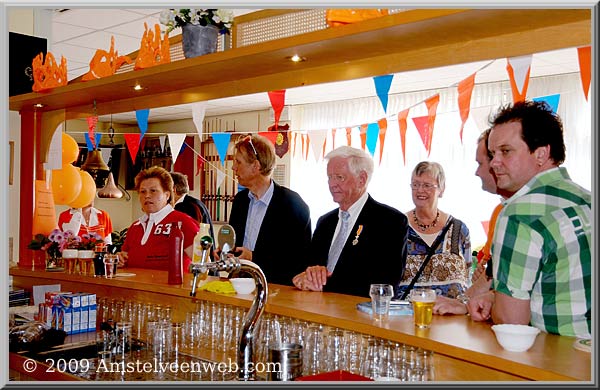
[{"x": 206, "y": 243}]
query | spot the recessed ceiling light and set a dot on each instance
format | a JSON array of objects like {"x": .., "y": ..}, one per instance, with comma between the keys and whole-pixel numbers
[
  {"x": 38, "y": 105},
  {"x": 138, "y": 87},
  {"x": 296, "y": 58}
]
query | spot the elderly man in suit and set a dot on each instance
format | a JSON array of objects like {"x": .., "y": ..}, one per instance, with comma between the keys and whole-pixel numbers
[
  {"x": 272, "y": 223},
  {"x": 189, "y": 205},
  {"x": 360, "y": 243}
]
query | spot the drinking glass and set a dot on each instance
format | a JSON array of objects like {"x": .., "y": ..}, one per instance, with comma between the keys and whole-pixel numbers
[
  {"x": 422, "y": 300},
  {"x": 381, "y": 296},
  {"x": 110, "y": 265}
]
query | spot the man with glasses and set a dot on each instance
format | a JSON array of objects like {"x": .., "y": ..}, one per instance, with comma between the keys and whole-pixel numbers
[
  {"x": 272, "y": 223},
  {"x": 361, "y": 242}
]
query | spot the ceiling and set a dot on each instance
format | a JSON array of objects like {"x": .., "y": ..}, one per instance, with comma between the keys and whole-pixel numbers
[{"x": 77, "y": 33}]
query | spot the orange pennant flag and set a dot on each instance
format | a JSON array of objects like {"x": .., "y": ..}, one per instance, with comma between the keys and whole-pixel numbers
[
  {"x": 465, "y": 91},
  {"x": 332, "y": 139},
  {"x": 307, "y": 145},
  {"x": 363, "y": 136},
  {"x": 431, "y": 104},
  {"x": 382, "y": 130},
  {"x": 294, "y": 134},
  {"x": 324, "y": 145},
  {"x": 349, "y": 135},
  {"x": 585, "y": 64},
  {"x": 518, "y": 96},
  {"x": 402, "y": 115}
]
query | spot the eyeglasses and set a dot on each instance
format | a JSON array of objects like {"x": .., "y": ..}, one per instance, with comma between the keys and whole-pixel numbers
[
  {"x": 249, "y": 138},
  {"x": 425, "y": 186}
]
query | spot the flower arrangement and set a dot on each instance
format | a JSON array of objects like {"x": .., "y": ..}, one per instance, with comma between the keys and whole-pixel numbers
[
  {"x": 220, "y": 18},
  {"x": 90, "y": 240},
  {"x": 55, "y": 242}
]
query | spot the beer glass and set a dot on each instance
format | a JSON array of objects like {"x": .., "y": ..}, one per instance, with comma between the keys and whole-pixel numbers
[
  {"x": 422, "y": 300},
  {"x": 381, "y": 296}
]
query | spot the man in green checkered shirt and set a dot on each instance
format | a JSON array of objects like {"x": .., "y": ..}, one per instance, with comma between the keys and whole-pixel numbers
[{"x": 541, "y": 248}]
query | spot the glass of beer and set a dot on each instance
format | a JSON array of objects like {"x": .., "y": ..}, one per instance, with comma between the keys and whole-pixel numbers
[{"x": 422, "y": 300}]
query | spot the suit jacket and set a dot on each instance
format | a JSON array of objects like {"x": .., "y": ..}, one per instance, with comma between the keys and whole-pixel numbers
[
  {"x": 283, "y": 241},
  {"x": 379, "y": 255},
  {"x": 196, "y": 209}
]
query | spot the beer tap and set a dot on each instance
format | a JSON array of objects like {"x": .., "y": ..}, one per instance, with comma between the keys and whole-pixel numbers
[{"x": 206, "y": 244}]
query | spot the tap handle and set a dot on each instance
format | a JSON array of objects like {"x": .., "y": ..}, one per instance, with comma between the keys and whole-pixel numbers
[{"x": 193, "y": 292}]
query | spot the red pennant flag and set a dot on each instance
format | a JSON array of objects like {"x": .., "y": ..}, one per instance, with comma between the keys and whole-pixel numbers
[
  {"x": 133, "y": 143},
  {"x": 402, "y": 115},
  {"x": 277, "y": 99},
  {"x": 349, "y": 135},
  {"x": 517, "y": 96},
  {"x": 199, "y": 165},
  {"x": 333, "y": 138},
  {"x": 271, "y": 135},
  {"x": 465, "y": 91},
  {"x": 382, "y": 130},
  {"x": 426, "y": 131},
  {"x": 92, "y": 121},
  {"x": 363, "y": 135},
  {"x": 585, "y": 64},
  {"x": 423, "y": 129}
]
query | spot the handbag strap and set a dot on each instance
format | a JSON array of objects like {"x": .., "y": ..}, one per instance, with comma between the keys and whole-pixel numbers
[{"x": 432, "y": 249}]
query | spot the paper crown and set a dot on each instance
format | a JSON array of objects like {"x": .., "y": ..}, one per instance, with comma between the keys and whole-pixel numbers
[
  {"x": 47, "y": 74},
  {"x": 152, "y": 52},
  {"x": 105, "y": 63}
]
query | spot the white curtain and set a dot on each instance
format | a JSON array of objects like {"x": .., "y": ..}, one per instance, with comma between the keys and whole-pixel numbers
[{"x": 463, "y": 197}]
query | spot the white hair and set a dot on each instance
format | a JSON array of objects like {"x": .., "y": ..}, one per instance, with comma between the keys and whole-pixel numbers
[{"x": 358, "y": 160}]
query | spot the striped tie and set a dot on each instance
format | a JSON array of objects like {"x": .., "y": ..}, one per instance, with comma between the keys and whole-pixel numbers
[{"x": 338, "y": 244}]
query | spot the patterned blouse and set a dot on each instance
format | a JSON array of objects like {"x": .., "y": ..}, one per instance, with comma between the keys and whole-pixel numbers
[{"x": 448, "y": 268}]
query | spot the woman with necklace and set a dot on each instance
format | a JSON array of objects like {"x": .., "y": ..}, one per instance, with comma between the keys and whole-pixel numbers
[{"x": 433, "y": 230}]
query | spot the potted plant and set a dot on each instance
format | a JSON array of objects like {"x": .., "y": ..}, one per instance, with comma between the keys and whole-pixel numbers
[
  {"x": 200, "y": 28},
  {"x": 118, "y": 238},
  {"x": 53, "y": 245}
]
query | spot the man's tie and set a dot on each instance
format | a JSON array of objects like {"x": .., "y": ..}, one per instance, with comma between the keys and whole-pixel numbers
[{"x": 338, "y": 244}]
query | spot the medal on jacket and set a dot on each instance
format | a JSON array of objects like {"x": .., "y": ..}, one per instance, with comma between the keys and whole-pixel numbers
[{"x": 358, "y": 231}]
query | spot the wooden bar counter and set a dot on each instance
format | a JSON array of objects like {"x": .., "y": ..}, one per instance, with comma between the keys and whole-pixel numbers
[{"x": 465, "y": 350}]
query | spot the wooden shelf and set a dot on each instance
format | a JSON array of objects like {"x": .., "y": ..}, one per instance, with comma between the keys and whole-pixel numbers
[{"x": 409, "y": 40}]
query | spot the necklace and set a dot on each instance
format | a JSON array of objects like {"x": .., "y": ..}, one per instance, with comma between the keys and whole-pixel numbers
[{"x": 423, "y": 227}]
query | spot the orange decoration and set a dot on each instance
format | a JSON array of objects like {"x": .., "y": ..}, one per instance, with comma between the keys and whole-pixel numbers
[
  {"x": 105, "y": 63},
  {"x": 87, "y": 193},
  {"x": 47, "y": 74},
  {"x": 44, "y": 214},
  {"x": 152, "y": 52},
  {"x": 70, "y": 149},
  {"x": 66, "y": 184},
  {"x": 340, "y": 17}
]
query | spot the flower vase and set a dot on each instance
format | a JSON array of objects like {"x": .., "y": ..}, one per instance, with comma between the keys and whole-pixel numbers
[
  {"x": 54, "y": 262},
  {"x": 199, "y": 40}
]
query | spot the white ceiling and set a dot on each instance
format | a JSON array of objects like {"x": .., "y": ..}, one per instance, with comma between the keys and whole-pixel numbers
[{"x": 77, "y": 33}]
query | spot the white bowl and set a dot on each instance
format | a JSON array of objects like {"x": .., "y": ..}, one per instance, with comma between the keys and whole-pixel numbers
[
  {"x": 243, "y": 285},
  {"x": 515, "y": 338}
]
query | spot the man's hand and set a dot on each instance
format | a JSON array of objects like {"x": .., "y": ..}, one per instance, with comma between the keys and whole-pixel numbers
[
  {"x": 479, "y": 270},
  {"x": 313, "y": 279},
  {"x": 444, "y": 305},
  {"x": 480, "y": 306},
  {"x": 123, "y": 257}
]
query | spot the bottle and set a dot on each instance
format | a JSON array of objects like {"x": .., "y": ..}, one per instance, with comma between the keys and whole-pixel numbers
[{"x": 176, "y": 256}]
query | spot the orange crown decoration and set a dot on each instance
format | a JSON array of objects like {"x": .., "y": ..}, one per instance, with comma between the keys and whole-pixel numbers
[
  {"x": 105, "y": 63},
  {"x": 341, "y": 17},
  {"x": 47, "y": 74},
  {"x": 152, "y": 52}
]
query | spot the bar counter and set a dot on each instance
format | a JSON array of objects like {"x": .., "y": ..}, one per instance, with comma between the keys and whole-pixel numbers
[{"x": 465, "y": 350}]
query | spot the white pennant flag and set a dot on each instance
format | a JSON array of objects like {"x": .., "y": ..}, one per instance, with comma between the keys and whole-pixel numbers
[
  {"x": 220, "y": 177},
  {"x": 106, "y": 154},
  {"x": 317, "y": 140},
  {"x": 55, "y": 150},
  {"x": 175, "y": 141},
  {"x": 481, "y": 116},
  {"x": 161, "y": 139},
  {"x": 198, "y": 111},
  {"x": 520, "y": 67}
]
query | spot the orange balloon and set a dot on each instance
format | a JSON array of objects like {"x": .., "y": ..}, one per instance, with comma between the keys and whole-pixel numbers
[
  {"x": 70, "y": 149},
  {"x": 66, "y": 184},
  {"x": 87, "y": 193}
]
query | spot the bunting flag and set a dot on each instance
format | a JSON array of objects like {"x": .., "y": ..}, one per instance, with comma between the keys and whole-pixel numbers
[
  {"x": 423, "y": 129},
  {"x": 199, "y": 165},
  {"x": 176, "y": 142},
  {"x": 585, "y": 64},
  {"x": 92, "y": 121},
  {"x": 198, "y": 111},
  {"x": 142, "y": 120},
  {"x": 481, "y": 116},
  {"x": 106, "y": 153},
  {"x": 372, "y": 133},
  {"x": 486, "y": 226},
  {"x": 431, "y": 104},
  {"x": 465, "y": 91},
  {"x": 90, "y": 143},
  {"x": 222, "y": 143},
  {"x": 302, "y": 136},
  {"x": 402, "y": 115},
  {"x": 349, "y": 135},
  {"x": 55, "y": 154},
  {"x": 270, "y": 135},
  {"x": 552, "y": 101},
  {"x": 294, "y": 138},
  {"x": 220, "y": 177},
  {"x": 382, "y": 87},
  {"x": 133, "y": 143},
  {"x": 317, "y": 139},
  {"x": 333, "y": 138},
  {"x": 277, "y": 99},
  {"x": 518, "y": 69},
  {"x": 363, "y": 136},
  {"x": 307, "y": 145},
  {"x": 382, "y": 123},
  {"x": 162, "y": 139},
  {"x": 282, "y": 145}
]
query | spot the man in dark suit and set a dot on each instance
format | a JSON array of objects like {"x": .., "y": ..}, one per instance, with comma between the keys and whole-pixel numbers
[
  {"x": 360, "y": 243},
  {"x": 189, "y": 205},
  {"x": 272, "y": 223}
]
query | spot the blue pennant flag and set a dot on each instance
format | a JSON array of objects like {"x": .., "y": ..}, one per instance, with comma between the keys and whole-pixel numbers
[
  {"x": 552, "y": 101},
  {"x": 142, "y": 119},
  {"x": 88, "y": 141},
  {"x": 221, "y": 143},
  {"x": 372, "y": 135},
  {"x": 382, "y": 87}
]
